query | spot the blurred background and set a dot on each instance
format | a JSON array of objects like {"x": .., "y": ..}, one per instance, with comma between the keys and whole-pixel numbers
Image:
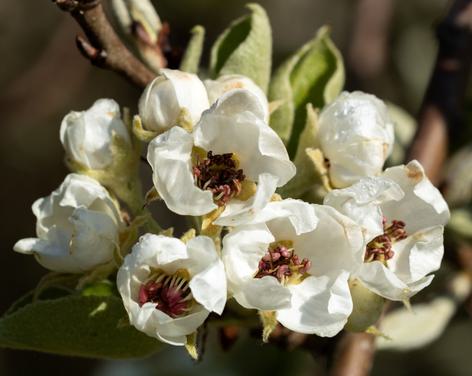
[{"x": 389, "y": 49}]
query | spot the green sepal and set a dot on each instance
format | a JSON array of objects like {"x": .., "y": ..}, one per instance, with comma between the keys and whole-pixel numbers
[
  {"x": 75, "y": 325},
  {"x": 245, "y": 48},
  {"x": 314, "y": 74},
  {"x": 191, "y": 346},
  {"x": 367, "y": 307},
  {"x": 193, "y": 53},
  {"x": 269, "y": 323},
  {"x": 140, "y": 133}
]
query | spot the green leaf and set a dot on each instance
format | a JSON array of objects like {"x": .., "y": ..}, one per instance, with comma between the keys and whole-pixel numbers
[
  {"x": 314, "y": 74},
  {"x": 311, "y": 182},
  {"x": 75, "y": 325},
  {"x": 245, "y": 47},
  {"x": 193, "y": 53}
]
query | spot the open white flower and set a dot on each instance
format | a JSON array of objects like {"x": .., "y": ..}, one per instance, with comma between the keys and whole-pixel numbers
[
  {"x": 231, "y": 151},
  {"x": 294, "y": 259},
  {"x": 225, "y": 83},
  {"x": 77, "y": 227},
  {"x": 169, "y": 288},
  {"x": 403, "y": 216},
  {"x": 87, "y": 136},
  {"x": 356, "y": 136},
  {"x": 174, "y": 97}
]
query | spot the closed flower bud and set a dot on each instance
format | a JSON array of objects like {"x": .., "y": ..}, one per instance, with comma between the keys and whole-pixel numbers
[
  {"x": 87, "y": 136},
  {"x": 77, "y": 227},
  {"x": 173, "y": 98},
  {"x": 356, "y": 137}
]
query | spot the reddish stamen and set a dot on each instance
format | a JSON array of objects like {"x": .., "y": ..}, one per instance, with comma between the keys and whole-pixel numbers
[
  {"x": 218, "y": 173},
  {"x": 171, "y": 294},
  {"x": 380, "y": 248}
]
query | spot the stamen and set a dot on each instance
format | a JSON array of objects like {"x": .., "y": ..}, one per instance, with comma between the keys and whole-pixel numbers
[
  {"x": 381, "y": 247},
  {"x": 219, "y": 174},
  {"x": 170, "y": 293},
  {"x": 282, "y": 263}
]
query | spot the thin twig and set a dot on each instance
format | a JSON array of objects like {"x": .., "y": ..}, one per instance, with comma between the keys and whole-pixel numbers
[
  {"x": 103, "y": 47},
  {"x": 440, "y": 120}
]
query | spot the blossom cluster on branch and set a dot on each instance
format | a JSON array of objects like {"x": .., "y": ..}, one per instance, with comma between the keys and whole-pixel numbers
[
  {"x": 292, "y": 215},
  {"x": 214, "y": 156}
]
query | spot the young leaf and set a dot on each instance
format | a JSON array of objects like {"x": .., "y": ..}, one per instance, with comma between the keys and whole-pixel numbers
[
  {"x": 193, "y": 53},
  {"x": 75, "y": 325},
  {"x": 314, "y": 74},
  {"x": 245, "y": 47}
]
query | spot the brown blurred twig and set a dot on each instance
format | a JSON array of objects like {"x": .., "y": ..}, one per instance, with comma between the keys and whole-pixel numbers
[
  {"x": 103, "y": 47},
  {"x": 440, "y": 119},
  {"x": 441, "y": 114}
]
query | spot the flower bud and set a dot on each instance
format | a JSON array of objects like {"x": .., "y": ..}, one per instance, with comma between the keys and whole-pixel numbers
[
  {"x": 77, "y": 227},
  {"x": 356, "y": 136},
  {"x": 173, "y": 98},
  {"x": 87, "y": 136},
  {"x": 216, "y": 88}
]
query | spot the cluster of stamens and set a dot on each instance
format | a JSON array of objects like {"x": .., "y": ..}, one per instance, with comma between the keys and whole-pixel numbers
[
  {"x": 380, "y": 248},
  {"x": 219, "y": 174},
  {"x": 282, "y": 263},
  {"x": 170, "y": 293}
]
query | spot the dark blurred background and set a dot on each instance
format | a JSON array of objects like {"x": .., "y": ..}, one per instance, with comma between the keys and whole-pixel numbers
[{"x": 389, "y": 49}]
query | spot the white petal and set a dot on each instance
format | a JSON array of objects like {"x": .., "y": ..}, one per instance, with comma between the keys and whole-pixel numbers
[
  {"x": 170, "y": 158},
  {"x": 208, "y": 278},
  {"x": 300, "y": 214},
  {"x": 87, "y": 135},
  {"x": 320, "y": 305},
  {"x": 264, "y": 294},
  {"x": 356, "y": 135},
  {"x": 337, "y": 243},
  {"x": 164, "y": 99},
  {"x": 242, "y": 250},
  {"x": 361, "y": 202},
  {"x": 227, "y": 83},
  {"x": 158, "y": 251},
  {"x": 26, "y": 246},
  {"x": 423, "y": 205},
  {"x": 172, "y": 327},
  {"x": 209, "y": 287},
  {"x": 257, "y": 147},
  {"x": 418, "y": 255},
  {"x": 239, "y": 212},
  {"x": 384, "y": 282}
]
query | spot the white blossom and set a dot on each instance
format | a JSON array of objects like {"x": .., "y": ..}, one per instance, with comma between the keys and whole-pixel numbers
[
  {"x": 294, "y": 258},
  {"x": 77, "y": 227},
  {"x": 230, "y": 151},
  {"x": 225, "y": 83},
  {"x": 356, "y": 136},
  {"x": 87, "y": 136},
  {"x": 169, "y": 288},
  {"x": 403, "y": 217},
  {"x": 172, "y": 98}
]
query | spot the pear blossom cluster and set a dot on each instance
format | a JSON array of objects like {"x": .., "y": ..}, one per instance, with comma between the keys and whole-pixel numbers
[{"x": 214, "y": 157}]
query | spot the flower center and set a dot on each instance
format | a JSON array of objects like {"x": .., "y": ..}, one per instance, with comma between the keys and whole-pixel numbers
[
  {"x": 380, "y": 248},
  {"x": 219, "y": 174},
  {"x": 281, "y": 262},
  {"x": 170, "y": 293}
]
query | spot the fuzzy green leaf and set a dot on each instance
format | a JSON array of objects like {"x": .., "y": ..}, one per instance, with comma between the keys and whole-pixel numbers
[
  {"x": 75, "y": 325},
  {"x": 245, "y": 47},
  {"x": 314, "y": 74},
  {"x": 193, "y": 53}
]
